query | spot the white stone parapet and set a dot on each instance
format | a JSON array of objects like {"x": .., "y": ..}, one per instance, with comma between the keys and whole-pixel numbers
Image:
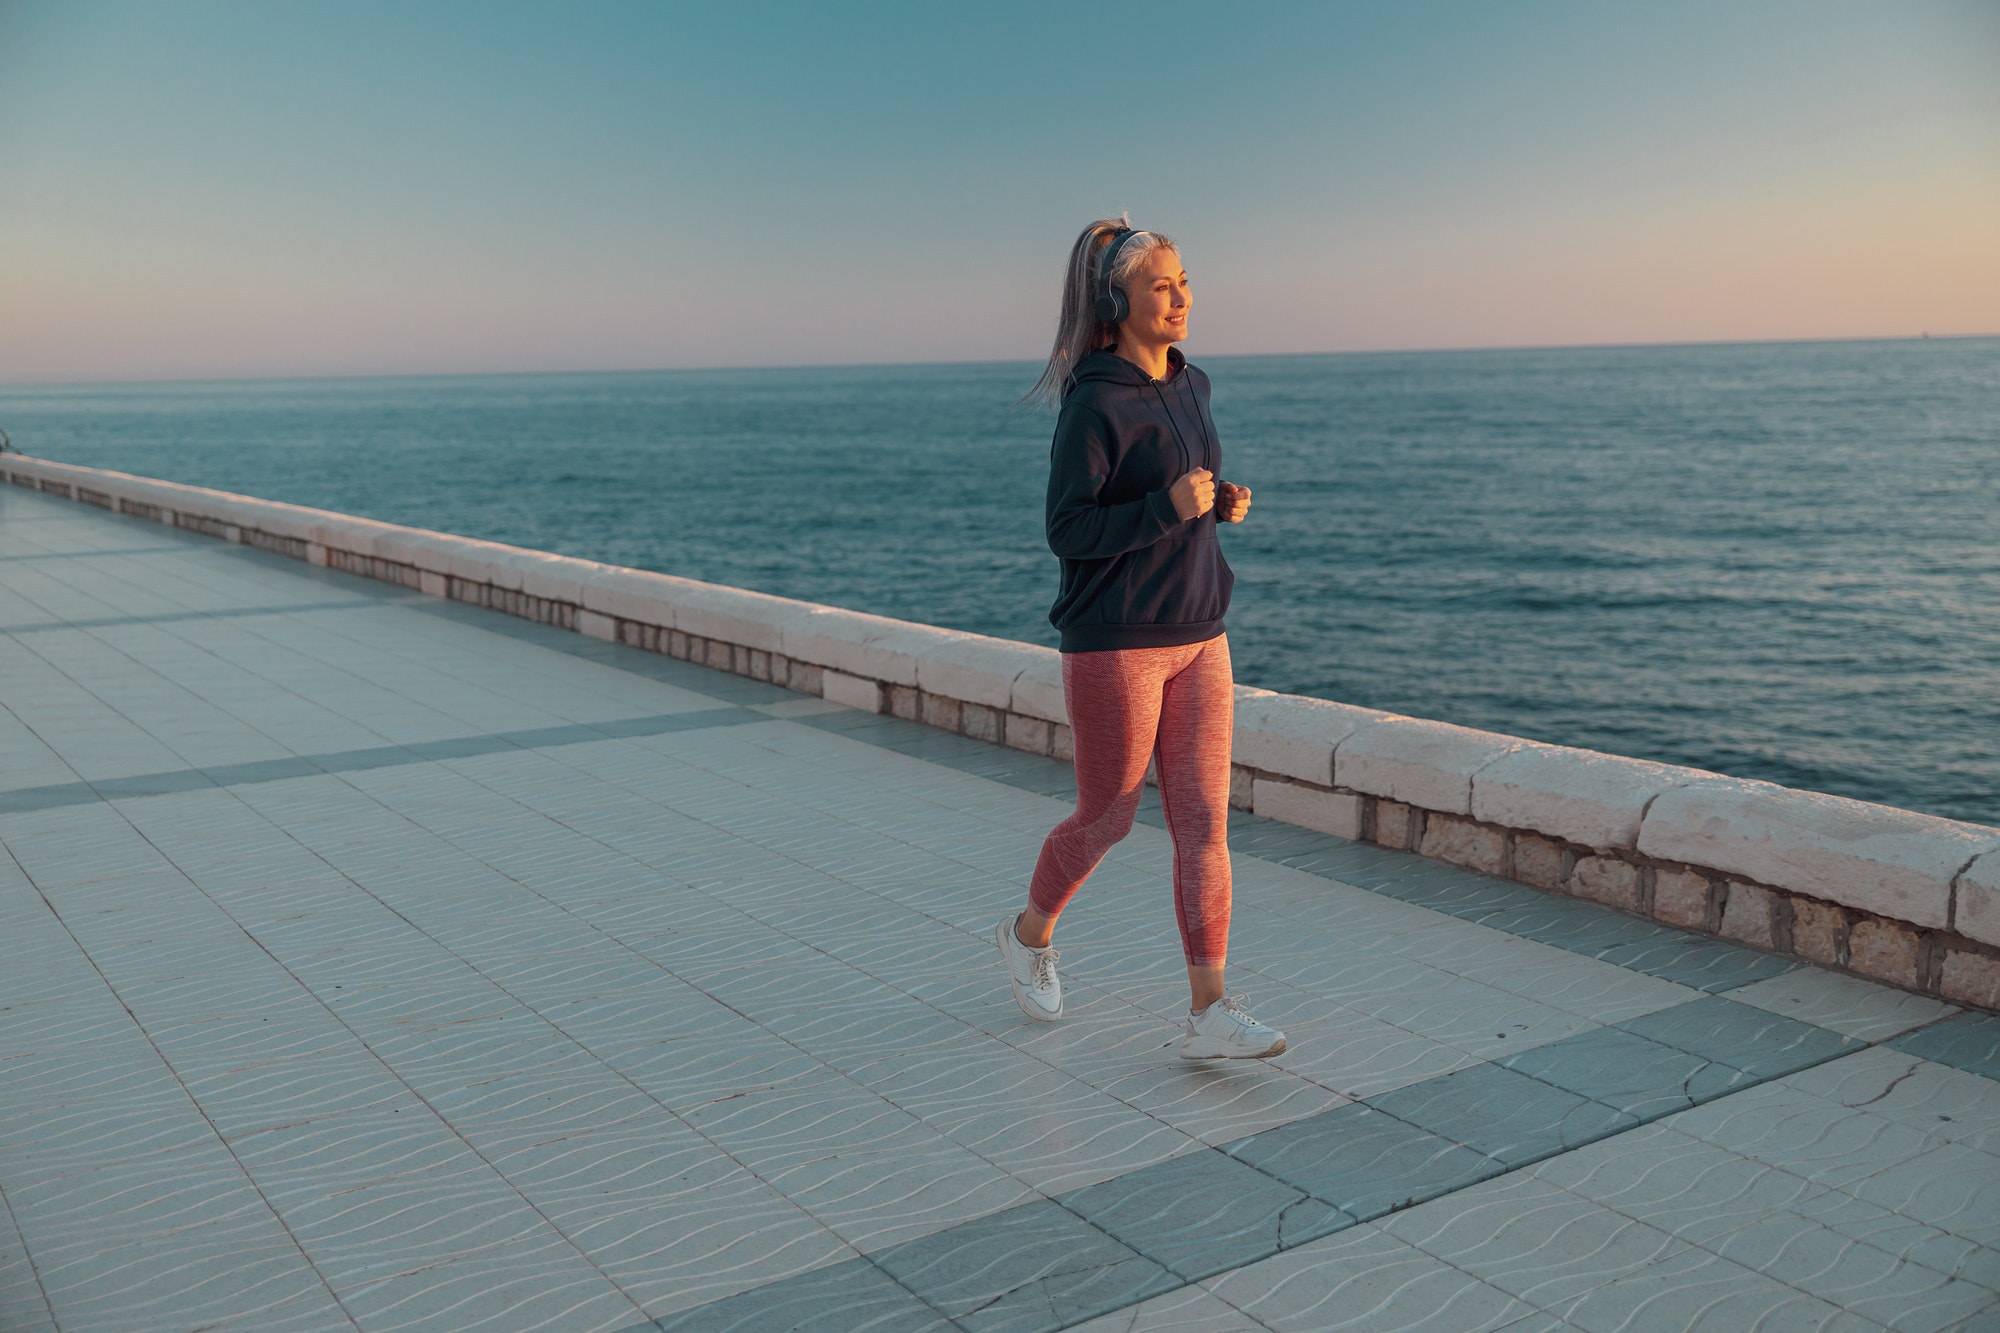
[{"x": 1903, "y": 897}]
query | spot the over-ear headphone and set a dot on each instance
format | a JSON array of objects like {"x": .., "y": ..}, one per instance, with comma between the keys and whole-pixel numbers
[{"x": 1112, "y": 307}]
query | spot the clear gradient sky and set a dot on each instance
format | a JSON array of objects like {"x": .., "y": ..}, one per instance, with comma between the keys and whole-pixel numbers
[{"x": 200, "y": 189}]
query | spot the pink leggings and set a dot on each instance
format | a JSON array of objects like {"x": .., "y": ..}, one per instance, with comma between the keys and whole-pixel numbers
[{"x": 1124, "y": 706}]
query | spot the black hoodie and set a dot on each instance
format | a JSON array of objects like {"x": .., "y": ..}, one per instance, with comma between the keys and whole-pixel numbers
[{"x": 1134, "y": 575}]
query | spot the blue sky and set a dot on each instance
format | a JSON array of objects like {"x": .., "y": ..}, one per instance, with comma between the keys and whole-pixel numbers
[{"x": 203, "y": 189}]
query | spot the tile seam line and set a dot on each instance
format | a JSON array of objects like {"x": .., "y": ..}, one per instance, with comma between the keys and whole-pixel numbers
[
  {"x": 262, "y": 1197},
  {"x": 34, "y": 1269}
]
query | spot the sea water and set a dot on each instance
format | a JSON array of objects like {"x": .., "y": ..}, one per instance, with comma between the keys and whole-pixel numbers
[{"x": 1779, "y": 561}]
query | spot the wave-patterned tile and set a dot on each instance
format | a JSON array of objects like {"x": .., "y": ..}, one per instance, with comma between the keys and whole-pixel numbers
[
  {"x": 1825, "y": 1143},
  {"x": 802, "y": 1122},
  {"x": 650, "y": 1162},
  {"x": 853, "y": 1296},
  {"x": 1363, "y": 1279},
  {"x": 196, "y": 1281},
  {"x": 1531, "y": 1239},
  {"x": 22, "y": 1304},
  {"x": 286, "y": 1091},
  {"x": 165, "y": 1194},
  {"x": 687, "y": 1072},
  {"x": 681, "y": 1250},
  {"x": 1843, "y": 1004},
  {"x": 60, "y": 1139},
  {"x": 102, "y": 1075},
  {"x": 358, "y": 1234},
  {"x": 1697, "y": 1290},
  {"x": 500, "y": 1290},
  {"x": 1363, "y": 1161},
  {"x": 1754, "y": 1040},
  {"x": 1627, "y": 1072},
  {"x": 1951, "y": 1187},
  {"x": 1690, "y": 1189},
  {"x": 1203, "y": 1213},
  {"x": 1031, "y": 1268},
  {"x": 240, "y": 1040},
  {"x": 1190, "y": 1310},
  {"x": 73, "y": 1020},
  {"x": 1906, "y": 1238},
  {"x": 1851, "y": 1275},
  {"x": 347, "y": 1150},
  {"x": 507, "y": 1110},
  {"x": 1220, "y": 1101},
  {"x": 1968, "y": 1041},
  {"x": 879, "y": 1197},
  {"x": 1508, "y": 1116}
]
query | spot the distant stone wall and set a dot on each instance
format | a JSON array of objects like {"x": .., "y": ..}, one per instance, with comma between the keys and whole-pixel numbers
[{"x": 1884, "y": 893}]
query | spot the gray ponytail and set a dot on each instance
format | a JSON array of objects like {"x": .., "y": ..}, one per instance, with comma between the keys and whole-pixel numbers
[{"x": 1078, "y": 330}]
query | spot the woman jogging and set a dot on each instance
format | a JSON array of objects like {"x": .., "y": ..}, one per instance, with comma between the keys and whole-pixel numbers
[{"x": 1133, "y": 504}]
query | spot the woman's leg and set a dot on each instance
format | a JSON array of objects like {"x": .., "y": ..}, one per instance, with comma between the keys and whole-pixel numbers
[
  {"x": 1113, "y": 701},
  {"x": 1197, "y": 718}
]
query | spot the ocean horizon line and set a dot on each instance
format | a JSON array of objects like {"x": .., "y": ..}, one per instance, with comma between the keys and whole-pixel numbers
[{"x": 1030, "y": 361}]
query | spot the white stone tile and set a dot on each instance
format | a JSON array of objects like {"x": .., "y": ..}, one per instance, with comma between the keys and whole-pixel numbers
[{"x": 1848, "y": 1005}]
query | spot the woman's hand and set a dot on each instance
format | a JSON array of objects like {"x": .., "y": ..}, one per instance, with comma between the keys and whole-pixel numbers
[
  {"x": 1232, "y": 502},
  {"x": 1194, "y": 494}
]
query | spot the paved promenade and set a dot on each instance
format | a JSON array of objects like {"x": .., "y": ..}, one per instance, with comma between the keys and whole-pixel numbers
[{"x": 372, "y": 962}]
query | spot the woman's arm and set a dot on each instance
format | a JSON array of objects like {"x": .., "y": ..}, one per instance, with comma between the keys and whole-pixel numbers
[{"x": 1079, "y": 527}]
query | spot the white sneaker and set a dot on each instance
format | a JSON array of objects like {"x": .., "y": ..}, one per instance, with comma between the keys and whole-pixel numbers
[
  {"x": 1225, "y": 1030},
  {"x": 1032, "y": 971}
]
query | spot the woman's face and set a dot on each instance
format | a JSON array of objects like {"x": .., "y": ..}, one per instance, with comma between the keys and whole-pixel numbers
[{"x": 1160, "y": 298}]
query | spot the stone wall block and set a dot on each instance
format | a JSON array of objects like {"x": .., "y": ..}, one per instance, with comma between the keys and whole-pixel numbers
[
  {"x": 905, "y": 701},
  {"x": 859, "y": 644},
  {"x": 734, "y": 615},
  {"x": 558, "y": 578},
  {"x": 1582, "y": 796},
  {"x": 1970, "y": 978},
  {"x": 1538, "y": 861},
  {"x": 1680, "y": 898},
  {"x": 853, "y": 691},
  {"x": 976, "y": 668},
  {"x": 1060, "y": 745},
  {"x": 1607, "y": 880},
  {"x": 1038, "y": 689},
  {"x": 980, "y": 722},
  {"x": 1242, "y": 788},
  {"x": 1819, "y": 932},
  {"x": 1462, "y": 842},
  {"x": 1026, "y": 733},
  {"x": 1882, "y": 860},
  {"x": 1292, "y": 735},
  {"x": 1428, "y": 764},
  {"x": 1747, "y": 915},
  {"x": 806, "y": 678},
  {"x": 1977, "y": 914},
  {"x": 597, "y": 626},
  {"x": 1338, "y": 813},
  {"x": 942, "y": 713},
  {"x": 1395, "y": 824},
  {"x": 1885, "y": 949}
]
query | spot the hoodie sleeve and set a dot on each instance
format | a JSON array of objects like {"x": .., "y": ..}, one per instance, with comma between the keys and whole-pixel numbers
[{"x": 1081, "y": 527}]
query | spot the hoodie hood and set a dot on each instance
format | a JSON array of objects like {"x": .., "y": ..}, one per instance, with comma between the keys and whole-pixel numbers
[{"x": 1106, "y": 366}]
